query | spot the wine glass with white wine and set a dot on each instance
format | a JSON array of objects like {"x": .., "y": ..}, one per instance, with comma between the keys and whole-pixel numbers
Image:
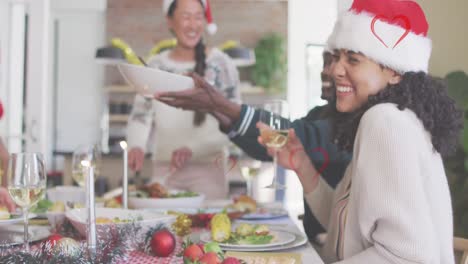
[
  {"x": 275, "y": 114},
  {"x": 90, "y": 153},
  {"x": 26, "y": 184},
  {"x": 250, "y": 168}
]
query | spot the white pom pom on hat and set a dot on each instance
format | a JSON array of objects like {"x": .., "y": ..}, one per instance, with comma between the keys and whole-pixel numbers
[{"x": 211, "y": 27}]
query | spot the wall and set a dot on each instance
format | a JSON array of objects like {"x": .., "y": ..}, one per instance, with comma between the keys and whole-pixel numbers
[
  {"x": 449, "y": 33},
  {"x": 141, "y": 23}
]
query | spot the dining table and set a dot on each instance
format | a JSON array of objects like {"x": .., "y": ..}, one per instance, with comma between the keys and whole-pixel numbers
[{"x": 305, "y": 251}]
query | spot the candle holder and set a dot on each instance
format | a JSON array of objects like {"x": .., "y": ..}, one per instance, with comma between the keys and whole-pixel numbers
[
  {"x": 123, "y": 145},
  {"x": 91, "y": 237}
]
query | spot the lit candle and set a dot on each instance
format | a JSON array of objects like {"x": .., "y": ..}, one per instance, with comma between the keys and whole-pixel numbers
[
  {"x": 123, "y": 145},
  {"x": 91, "y": 225}
]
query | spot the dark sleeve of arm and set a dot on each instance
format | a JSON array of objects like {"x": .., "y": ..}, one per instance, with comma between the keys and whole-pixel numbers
[{"x": 244, "y": 134}]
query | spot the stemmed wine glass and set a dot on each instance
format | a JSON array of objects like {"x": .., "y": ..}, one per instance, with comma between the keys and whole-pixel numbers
[
  {"x": 249, "y": 170},
  {"x": 90, "y": 153},
  {"x": 275, "y": 114},
  {"x": 26, "y": 184}
]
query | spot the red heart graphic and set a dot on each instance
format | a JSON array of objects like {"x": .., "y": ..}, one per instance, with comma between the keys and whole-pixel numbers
[
  {"x": 407, "y": 27},
  {"x": 231, "y": 160},
  {"x": 317, "y": 149}
]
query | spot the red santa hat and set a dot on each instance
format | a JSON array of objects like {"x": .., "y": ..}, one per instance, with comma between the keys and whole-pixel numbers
[
  {"x": 390, "y": 32},
  {"x": 211, "y": 26}
]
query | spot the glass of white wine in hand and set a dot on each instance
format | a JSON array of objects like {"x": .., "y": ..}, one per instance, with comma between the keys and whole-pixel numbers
[
  {"x": 26, "y": 184},
  {"x": 90, "y": 154},
  {"x": 275, "y": 114}
]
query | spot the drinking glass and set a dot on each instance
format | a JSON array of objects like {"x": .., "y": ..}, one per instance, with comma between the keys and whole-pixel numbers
[
  {"x": 26, "y": 184},
  {"x": 275, "y": 114},
  {"x": 249, "y": 170},
  {"x": 89, "y": 153}
]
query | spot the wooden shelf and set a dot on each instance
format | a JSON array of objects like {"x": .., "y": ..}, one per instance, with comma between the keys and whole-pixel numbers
[
  {"x": 120, "y": 89},
  {"x": 118, "y": 118}
]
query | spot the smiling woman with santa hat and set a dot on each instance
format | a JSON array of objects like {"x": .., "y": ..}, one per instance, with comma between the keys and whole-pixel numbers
[
  {"x": 393, "y": 204},
  {"x": 187, "y": 146}
]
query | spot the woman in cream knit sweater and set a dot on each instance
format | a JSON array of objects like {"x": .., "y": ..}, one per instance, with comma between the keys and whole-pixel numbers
[{"x": 393, "y": 204}]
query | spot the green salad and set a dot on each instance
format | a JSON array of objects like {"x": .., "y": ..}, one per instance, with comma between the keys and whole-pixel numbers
[
  {"x": 42, "y": 206},
  {"x": 237, "y": 239}
]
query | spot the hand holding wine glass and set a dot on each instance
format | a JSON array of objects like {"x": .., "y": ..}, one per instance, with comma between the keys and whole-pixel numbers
[
  {"x": 26, "y": 183},
  {"x": 275, "y": 115}
]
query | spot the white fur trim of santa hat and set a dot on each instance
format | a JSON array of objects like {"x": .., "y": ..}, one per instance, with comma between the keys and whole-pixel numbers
[{"x": 354, "y": 32}]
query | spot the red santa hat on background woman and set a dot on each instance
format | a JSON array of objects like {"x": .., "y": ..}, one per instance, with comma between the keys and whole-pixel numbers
[
  {"x": 211, "y": 26},
  {"x": 390, "y": 32}
]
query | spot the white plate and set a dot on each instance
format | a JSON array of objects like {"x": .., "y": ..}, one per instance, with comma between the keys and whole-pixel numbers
[
  {"x": 145, "y": 219},
  {"x": 265, "y": 213},
  {"x": 146, "y": 80},
  {"x": 13, "y": 235},
  {"x": 15, "y": 219},
  {"x": 279, "y": 238},
  {"x": 166, "y": 203}
]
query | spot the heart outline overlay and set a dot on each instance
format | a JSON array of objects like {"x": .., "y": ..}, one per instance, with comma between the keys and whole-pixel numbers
[
  {"x": 317, "y": 149},
  {"x": 401, "y": 17},
  {"x": 218, "y": 163}
]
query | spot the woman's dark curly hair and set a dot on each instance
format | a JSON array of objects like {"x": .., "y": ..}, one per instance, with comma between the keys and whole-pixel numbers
[
  {"x": 426, "y": 96},
  {"x": 200, "y": 63}
]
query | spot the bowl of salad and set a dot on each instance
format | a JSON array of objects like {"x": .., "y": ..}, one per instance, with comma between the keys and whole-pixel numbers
[
  {"x": 114, "y": 217},
  {"x": 157, "y": 196}
]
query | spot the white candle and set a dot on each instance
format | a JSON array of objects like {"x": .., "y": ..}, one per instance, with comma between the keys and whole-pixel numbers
[
  {"x": 123, "y": 144},
  {"x": 91, "y": 224}
]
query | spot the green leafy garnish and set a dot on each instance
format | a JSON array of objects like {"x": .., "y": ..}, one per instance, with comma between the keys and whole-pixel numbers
[
  {"x": 182, "y": 194},
  {"x": 42, "y": 206},
  {"x": 237, "y": 239}
]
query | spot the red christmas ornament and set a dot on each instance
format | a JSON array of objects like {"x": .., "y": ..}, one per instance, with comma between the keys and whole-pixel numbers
[{"x": 163, "y": 243}]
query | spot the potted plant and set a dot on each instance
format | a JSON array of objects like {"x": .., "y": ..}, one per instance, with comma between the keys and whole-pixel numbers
[
  {"x": 270, "y": 68},
  {"x": 457, "y": 165}
]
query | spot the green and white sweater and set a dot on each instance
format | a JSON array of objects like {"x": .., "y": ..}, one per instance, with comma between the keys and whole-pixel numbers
[{"x": 393, "y": 204}]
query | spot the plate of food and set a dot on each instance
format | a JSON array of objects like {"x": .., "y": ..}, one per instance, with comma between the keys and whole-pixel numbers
[
  {"x": 147, "y": 80},
  {"x": 157, "y": 196},
  {"x": 264, "y": 213},
  {"x": 7, "y": 218},
  {"x": 249, "y": 236},
  {"x": 116, "y": 217},
  {"x": 14, "y": 234}
]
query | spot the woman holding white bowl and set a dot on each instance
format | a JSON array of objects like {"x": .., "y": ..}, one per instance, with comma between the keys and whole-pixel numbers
[{"x": 187, "y": 146}]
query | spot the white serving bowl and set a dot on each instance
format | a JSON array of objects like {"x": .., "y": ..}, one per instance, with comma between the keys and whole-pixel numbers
[
  {"x": 166, "y": 203},
  {"x": 145, "y": 219},
  {"x": 65, "y": 194},
  {"x": 146, "y": 80}
]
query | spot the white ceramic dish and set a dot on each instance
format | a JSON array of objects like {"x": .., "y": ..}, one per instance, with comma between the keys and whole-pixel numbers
[
  {"x": 279, "y": 238},
  {"x": 16, "y": 218},
  {"x": 166, "y": 203},
  {"x": 146, "y": 80},
  {"x": 14, "y": 234},
  {"x": 265, "y": 213},
  {"x": 145, "y": 219},
  {"x": 65, "y": 194}
]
